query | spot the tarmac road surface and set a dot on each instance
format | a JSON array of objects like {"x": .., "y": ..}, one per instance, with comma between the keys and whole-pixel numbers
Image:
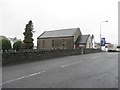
[{"x": 98, "y": 70}]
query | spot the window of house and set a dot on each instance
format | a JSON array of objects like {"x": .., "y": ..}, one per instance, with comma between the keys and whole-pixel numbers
[
  {"x": 43, "y": 42},
  {"x": 63, "y": 40},
  {"x": 53, "y": 42}
]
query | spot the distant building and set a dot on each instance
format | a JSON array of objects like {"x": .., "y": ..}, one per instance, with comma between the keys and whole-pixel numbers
[
  {"x": 108, "y": 46},
  {"x": 65, "y": 38},
  {"x": 111, "y": 46},
  {"x": 97, "y": 45},
  {"x": 12, "y": 40}
]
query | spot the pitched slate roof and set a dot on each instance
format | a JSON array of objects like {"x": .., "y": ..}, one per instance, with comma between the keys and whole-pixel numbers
[
  {"x": 82, "y": 39},
  {"x": 59, "y": 33}
]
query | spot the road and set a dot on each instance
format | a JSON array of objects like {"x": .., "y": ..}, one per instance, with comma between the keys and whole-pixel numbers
[{"x": 98, "y": 70}]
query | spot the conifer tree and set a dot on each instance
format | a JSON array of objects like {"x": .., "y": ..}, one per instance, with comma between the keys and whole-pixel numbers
[{"x": 28, "y": 40}]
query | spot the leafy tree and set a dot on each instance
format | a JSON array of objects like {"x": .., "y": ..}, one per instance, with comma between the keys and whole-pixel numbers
[
  {"x": 6, "y": 44},
  {"x": 17, "y": 45},
  {"x": 28, "y": 40}
]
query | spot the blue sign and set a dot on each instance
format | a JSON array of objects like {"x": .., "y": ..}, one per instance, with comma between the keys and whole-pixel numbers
[{"x": 103, "y": 41}]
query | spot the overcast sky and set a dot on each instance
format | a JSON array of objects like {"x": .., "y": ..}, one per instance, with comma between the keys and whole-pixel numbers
[{"x": 60, "y": 14}]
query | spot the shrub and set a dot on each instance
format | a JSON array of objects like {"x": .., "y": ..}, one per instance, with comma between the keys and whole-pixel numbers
[
  {"x": 17, "y": 45},
  {"x": 6, "y": 44}
]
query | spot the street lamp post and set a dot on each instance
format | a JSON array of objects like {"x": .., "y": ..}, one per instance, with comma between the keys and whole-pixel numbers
[{"x": 100, "y": 31}]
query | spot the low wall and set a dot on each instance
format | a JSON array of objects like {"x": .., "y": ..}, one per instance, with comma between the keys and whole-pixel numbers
[{"x": 9, "y": 58}]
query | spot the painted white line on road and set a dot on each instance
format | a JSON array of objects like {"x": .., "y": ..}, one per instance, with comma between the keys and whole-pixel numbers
[
  {"x": 79, "y": 61},
  {"x": 22, "y": 77},
  {"x": 95, "y": 57},
  {"x": 69, "y": 64},
  {"x": 65, "y": 65}
]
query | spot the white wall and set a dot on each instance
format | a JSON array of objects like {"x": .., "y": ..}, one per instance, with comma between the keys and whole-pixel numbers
[{"x": 89, "y": 43}]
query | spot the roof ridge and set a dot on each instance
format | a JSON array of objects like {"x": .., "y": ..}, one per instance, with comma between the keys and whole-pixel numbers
[
  {"x": 61, "y": 29},
  {"x": 86, "y": 35}
]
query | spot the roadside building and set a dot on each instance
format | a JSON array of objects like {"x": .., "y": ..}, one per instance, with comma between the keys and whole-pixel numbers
[
  {"x": 64, "y": 39},
  {"x": 12, "y": 40},
  {"x": 97, "y": 45},
  {"x": 84, "y": 41},
  {"x": 58, "y": 39},
  {"x": 112, "y": 46}
]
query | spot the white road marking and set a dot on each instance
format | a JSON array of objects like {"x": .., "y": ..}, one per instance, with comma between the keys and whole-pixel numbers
[
  {"x": 22, "y": 77},
  {"x": 78, "y": 62},
  {"x": 65, "y": 65},
  {"x": 95, "y": 57},
  {"x": 69, "y": 64}
]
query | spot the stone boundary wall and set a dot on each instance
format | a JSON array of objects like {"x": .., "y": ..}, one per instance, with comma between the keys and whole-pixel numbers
[{"x": 11, "y": 58}]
